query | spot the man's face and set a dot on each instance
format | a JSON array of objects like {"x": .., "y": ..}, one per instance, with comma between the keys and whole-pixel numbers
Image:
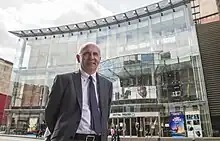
[{"x": 89, "y": 58}]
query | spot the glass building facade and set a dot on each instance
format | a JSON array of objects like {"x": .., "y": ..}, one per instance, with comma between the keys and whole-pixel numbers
[{"x": 150, "y": 54}]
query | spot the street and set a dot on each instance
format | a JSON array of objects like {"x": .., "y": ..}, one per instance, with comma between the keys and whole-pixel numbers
[{"x": 4, "y": 138}]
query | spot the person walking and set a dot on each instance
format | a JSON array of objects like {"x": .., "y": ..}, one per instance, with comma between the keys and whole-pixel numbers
[{"x": 113, "y": 134}]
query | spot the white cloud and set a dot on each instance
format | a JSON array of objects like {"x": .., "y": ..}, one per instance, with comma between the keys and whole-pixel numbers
[
  {"x": 45, "y": 13},
  {"x": 7, "y": 41},
  {"x": 7, "y": 53}
]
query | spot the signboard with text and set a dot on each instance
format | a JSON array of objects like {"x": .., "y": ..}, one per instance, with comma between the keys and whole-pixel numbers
[
  {"x": 193, "y": 124},
  {"x": 134, "y": 114}
]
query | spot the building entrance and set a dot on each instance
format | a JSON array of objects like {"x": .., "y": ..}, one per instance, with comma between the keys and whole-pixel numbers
[{"x": 135, "y": 126}]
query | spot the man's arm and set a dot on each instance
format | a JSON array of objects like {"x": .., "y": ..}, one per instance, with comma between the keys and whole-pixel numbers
[
  {"x": 110, "y": 98},
  {"x": 53, "y": 104}
]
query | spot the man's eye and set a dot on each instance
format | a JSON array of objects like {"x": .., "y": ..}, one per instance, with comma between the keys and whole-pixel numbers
[
  {"x": 95, "y": 54},
  {"x": 86, "y": 53}
]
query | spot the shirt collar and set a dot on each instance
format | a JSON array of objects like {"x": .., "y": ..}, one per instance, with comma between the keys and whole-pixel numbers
[{"x": 86, "y": 75}]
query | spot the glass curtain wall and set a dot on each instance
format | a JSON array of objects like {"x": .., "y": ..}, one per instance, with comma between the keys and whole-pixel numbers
[{"x": 158, "y": 51}]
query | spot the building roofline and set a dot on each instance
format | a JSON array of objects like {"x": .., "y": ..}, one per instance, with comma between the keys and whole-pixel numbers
[
  {"x": 104, "y": 22},
  {"x": 6, "y": 61}
]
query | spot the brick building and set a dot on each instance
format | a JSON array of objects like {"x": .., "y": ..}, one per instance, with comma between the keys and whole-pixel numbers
[
  {"x": 5, "y": 75},
  {"x": 5, "y": 79}
]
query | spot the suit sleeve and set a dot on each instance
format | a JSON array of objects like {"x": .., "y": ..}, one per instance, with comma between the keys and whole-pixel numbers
[
  {"x": 110, "y": 98},
  {"x": 52, "y": 107}
]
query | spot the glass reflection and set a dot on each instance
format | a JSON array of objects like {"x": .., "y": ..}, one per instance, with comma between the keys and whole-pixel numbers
[{"x": 154, "y": 64}]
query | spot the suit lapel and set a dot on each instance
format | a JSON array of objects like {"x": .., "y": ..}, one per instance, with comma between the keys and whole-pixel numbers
[{"x": 78, "y": 87}]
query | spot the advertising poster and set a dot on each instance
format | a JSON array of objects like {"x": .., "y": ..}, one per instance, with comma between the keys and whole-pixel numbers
[
  {"x": 32, "y": 125},
  {"x": 176, "y": 124},
  {"x": 193, "y": 124}
]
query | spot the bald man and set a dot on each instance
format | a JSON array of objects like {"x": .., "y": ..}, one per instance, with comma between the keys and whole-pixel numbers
[{"x": 79, "y": 103}]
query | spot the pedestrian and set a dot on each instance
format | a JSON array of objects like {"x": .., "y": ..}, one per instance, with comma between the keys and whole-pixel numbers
[
  {"x": 79, "y": 103},
  {"x": 113, "y": 134},
  {"x": 117, "y": 133}
]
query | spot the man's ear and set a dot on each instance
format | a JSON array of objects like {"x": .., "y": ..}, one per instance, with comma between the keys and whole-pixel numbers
[{"x": 78, "y": 58}]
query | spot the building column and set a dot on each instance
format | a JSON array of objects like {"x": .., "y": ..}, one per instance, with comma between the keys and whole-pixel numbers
[
  {"x": 117, "y": 122},
  {"x": 124, "y": 127},
  {"x": 130, "y": 127},
  {"x": 112, "y": 122},
  {"x": 144, "y": 124},
  {"x": 152, "y": 76},
  {"x": 8, "y": 124}
]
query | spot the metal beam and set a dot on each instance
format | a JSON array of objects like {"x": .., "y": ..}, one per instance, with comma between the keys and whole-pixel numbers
[
  {"x": 171, "y": 5},
  {"x": 41, "y": 31},
  {"x": 50, "y": 30},
  {"x": 108, "y": 77},
  {"x": 77, "y": 26},
  {"x": 59, "y": 29},
  {"x": 32, "y": 32},
  {"x": 106, "y": 22},
  {"x": 95, "y": 22},
  {"x": 68, "y": 27},
  {"x": 128, "y": 72},
  {"x": 23, "y": 33},
  {"x": 87, "y": 25},
  {"x": 115, "y": 18},
  {"x": 159, "y": 8},
  {"x": 125, "y": 16},
  {"x": 114, "y": 73},
  {"x": 167, "y": 7}
]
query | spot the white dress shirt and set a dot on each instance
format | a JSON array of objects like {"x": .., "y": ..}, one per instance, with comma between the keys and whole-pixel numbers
[
  {"x": 85, "y": 122},
  {"x": 47, "y": 133}
]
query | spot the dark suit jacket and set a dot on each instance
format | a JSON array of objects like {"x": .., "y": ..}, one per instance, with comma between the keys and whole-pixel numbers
[{"x": 63, "y": 110}]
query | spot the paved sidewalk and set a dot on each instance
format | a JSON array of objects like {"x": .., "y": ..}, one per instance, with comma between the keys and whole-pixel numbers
[{"x": 21, "y": 136}]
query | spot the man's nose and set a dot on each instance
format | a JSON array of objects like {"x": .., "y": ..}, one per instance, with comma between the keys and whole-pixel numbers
[{"x": 91, "y": 56}]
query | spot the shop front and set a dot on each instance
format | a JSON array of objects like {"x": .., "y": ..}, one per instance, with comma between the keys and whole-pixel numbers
[{"x": 139, "y": 124}]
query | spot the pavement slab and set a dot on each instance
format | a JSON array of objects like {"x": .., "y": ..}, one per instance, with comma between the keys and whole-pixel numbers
[{"x": 8, "y": 138}]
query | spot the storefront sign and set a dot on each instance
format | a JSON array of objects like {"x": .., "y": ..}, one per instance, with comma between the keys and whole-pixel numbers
[
  {"x": 123, "y": 115},
  {"x": 136, "y": 114}
]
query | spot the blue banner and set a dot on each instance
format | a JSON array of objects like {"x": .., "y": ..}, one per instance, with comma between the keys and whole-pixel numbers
[{"x": 177, "y": 128}]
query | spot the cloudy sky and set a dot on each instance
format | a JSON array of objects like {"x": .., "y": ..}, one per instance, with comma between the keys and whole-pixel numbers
[{"x": 28, "y": 14}]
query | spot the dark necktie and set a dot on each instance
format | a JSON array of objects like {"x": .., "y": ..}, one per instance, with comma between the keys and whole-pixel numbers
[{"x": 94, "y": 108}]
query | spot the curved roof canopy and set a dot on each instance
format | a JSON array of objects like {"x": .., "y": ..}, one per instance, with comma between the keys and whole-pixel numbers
[{"x": 105, "y": 22}]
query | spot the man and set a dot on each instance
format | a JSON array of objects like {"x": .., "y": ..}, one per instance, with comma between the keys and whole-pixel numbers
[{"x": 79, "y": 103}]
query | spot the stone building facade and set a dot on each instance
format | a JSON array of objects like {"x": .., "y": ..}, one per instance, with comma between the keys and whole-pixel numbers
[{"x": 5, "y": 75}]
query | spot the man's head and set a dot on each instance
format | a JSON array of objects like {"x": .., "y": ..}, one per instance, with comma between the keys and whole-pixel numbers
[{"x": 89, "y": 57}]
